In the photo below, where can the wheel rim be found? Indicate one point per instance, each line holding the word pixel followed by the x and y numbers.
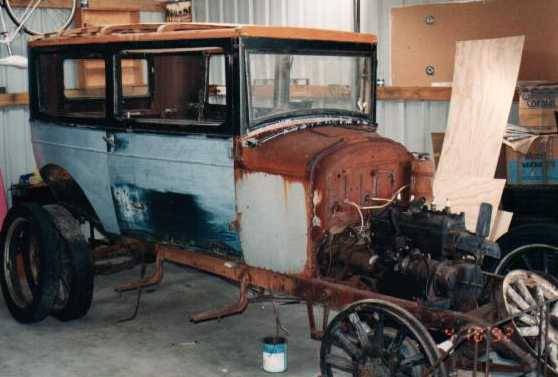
pixel 21 263
pixel 48 19
pixel 522 289
pixel 532 257
pixel 392 349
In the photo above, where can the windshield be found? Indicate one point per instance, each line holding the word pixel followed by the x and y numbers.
pixel 290 84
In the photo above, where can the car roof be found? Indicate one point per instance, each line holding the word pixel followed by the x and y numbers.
pixel 189 31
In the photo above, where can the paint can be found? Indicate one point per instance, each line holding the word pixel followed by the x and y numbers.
pixel 274 354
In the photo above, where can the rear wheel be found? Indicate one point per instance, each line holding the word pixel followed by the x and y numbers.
pixel 52 18
pixel 77 275
pixel 29 262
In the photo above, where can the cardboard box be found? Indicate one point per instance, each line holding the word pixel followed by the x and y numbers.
pixel 538 166
pixel 538 103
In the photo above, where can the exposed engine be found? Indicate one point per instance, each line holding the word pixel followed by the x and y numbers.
pixel 413 251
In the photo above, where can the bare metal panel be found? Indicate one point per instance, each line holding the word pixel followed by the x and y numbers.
pixel 273 221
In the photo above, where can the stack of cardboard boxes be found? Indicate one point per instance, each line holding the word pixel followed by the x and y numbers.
pixel 536 163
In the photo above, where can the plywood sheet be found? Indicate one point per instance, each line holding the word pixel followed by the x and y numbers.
pixel 483 87
pixel 465 194
pixel 502 223
pixel 415 44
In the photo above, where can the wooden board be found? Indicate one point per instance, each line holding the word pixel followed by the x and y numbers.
pixel 483 88
pixel 437 143
pixel 415 45
pixel 465 194
pixel 14 99
pixel 100 17
pixel 501 225
pixel 413 93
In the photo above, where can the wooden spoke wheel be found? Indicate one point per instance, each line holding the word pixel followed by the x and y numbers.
pixel 377 338
pixel 520 290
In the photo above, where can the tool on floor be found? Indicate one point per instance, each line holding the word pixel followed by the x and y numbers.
pixel 140 290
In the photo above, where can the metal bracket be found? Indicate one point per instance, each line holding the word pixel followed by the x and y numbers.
pixel 236 308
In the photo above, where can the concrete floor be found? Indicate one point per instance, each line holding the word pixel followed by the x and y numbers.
pixel 161 341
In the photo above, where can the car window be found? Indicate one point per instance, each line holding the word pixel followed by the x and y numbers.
pixel 71 87
pixel 135 78
pixel 173 87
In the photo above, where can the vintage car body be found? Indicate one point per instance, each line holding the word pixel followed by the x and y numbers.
pixel 197 187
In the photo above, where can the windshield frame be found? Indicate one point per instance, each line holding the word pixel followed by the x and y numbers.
pixel 304 47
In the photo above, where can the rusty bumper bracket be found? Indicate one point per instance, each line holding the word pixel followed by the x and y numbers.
pixel 154 279
pixel 236 308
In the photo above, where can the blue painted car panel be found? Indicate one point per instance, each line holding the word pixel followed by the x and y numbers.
pixel 175 188
pixel 82 152
pixel 172 188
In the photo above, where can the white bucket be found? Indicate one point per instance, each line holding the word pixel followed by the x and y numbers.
pixel 274 354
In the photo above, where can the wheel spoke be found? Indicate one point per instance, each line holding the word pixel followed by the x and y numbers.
pixel 413 361
pixel 341 363
pixel 343 342
pixel 397 341
pixel 361 328
pixel 526 262
pixel 520 284
pixel 545 261
pixel 379 332
pixel 516 298
pixel 525 318
pixel 530 331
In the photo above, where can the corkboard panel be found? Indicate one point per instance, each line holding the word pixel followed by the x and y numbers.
pixel 415 45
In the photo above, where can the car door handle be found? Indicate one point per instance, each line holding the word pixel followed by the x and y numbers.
pixel 111 142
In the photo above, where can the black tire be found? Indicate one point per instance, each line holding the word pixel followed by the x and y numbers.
pixel 77 276
pixel 523 248
pixel 32 302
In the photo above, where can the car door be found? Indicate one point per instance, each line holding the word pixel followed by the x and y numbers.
pixel 170 180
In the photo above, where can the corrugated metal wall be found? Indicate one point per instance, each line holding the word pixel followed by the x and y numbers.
pixel 16 154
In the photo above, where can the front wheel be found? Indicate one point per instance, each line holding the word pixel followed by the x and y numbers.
pixel 377 338
pixel 41 17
